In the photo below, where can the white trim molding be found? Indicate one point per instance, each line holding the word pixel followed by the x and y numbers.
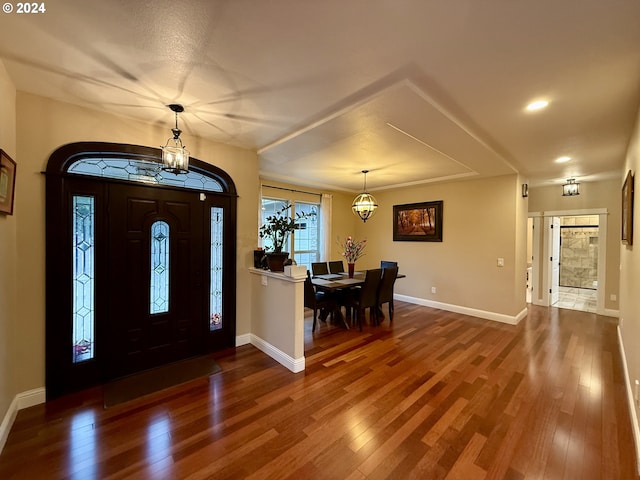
pixel 243 339
pixel 496 317
pixel 296 365
pixel 608 312
pixel 542 269
pixel 22 400
pixel 630 403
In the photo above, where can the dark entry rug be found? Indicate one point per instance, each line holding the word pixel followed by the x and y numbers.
pixel 152 381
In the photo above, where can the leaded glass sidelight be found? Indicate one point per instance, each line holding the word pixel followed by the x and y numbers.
pixel 159 299
pixel 83 218
pixel 215 313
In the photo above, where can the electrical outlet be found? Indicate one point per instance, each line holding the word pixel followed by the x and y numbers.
pixel 433 289
pixel 613 297
pixel 500 262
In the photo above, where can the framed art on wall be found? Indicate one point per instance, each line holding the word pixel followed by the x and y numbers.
pixel 418 222
pixel 7 183
pixel 627 210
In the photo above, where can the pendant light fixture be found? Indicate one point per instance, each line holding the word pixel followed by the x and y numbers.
pixel 570 188
pixel 175 158
pixel 364 205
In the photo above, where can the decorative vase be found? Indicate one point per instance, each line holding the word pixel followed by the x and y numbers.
pixel 352 267
pixel 275 261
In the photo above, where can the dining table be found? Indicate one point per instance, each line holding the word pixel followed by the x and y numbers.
pixel 335 282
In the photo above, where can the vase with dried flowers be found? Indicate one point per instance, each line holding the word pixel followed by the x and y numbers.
pixel 352 250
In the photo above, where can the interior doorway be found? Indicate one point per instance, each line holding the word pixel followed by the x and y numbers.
pixel 567 260
pixel 578 272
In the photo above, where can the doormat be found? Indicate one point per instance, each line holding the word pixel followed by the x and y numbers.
pixel 157 379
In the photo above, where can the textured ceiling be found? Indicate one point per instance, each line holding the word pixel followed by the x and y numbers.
pixel 414 91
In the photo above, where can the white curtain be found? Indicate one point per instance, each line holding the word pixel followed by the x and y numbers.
pixel 260 242
pixel 325 226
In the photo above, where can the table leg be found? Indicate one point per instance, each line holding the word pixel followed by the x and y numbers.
pixel 339 319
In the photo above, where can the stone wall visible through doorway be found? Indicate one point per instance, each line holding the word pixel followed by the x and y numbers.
pixel 579 251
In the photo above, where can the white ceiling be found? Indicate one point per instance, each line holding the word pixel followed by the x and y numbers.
pixel 415 91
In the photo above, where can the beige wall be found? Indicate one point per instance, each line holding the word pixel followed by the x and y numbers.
pixel 8 306
pixel 630 270
pixel 42 126
pixel 278 315
pixel 482 220
pixel 593 195
pixel 344 223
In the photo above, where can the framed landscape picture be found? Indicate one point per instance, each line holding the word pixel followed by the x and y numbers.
pixel 627 210
pixel 418 222
pixel 7 183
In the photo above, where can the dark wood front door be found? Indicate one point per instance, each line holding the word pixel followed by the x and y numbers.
pixel 100 218
pixel 139 336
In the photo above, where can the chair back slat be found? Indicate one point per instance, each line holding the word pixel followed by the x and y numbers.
pixel 319 268
pixel 309 292
pixel 385 291
pixel 369 290
pixel 336 266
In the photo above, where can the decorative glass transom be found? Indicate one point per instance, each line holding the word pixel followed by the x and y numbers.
pixel 83 221
pixel 159 302
pixel 215 313
pixel 143 171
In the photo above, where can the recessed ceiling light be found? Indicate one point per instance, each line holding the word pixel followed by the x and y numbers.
pixel 562 159
pixel 537 105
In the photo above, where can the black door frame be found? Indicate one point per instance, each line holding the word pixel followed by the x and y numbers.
pixel 61 374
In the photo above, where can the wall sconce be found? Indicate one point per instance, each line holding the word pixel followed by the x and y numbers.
pixel 525 190
pixel 570 188
pixel 175 158
pixel 364 205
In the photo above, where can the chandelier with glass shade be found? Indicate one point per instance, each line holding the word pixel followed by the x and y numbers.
pixel 364 205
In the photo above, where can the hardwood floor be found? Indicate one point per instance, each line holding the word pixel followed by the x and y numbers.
pixel 436 395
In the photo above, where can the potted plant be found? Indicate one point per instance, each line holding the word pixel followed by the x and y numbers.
pixel 277 228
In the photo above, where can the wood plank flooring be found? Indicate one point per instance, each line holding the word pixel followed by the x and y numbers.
pixel 435 395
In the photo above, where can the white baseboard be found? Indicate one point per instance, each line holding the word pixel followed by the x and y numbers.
pixel 497 317
pixel 294 364
pixel 243 339
pixel 22 400
pixel 7 422
pixel 632 408
pixel 607 312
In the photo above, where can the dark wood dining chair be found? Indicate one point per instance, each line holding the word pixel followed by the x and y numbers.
pixel 319 268
pixel 385 290
pixel 317 301
pixel 365 297
pixel 336 266
pixel 387 264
